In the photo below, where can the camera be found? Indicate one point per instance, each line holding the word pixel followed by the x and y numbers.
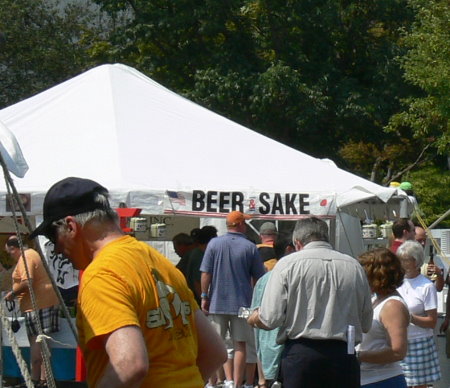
pixel 15 326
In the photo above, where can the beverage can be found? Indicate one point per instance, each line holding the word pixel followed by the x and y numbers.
pixel 244 312
pixel 350 339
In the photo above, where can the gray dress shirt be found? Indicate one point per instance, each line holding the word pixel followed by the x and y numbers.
pixel 317 293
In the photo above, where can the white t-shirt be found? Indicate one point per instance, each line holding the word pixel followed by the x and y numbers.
pixel 420 295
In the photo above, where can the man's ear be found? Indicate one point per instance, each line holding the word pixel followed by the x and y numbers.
pixel 71 225
pixel 298 245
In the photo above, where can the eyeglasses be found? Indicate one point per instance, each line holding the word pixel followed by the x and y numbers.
pixel 52 232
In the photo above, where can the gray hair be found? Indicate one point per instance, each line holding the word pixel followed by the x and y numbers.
pixel 104 214
pixel 412 249
pixel 310 229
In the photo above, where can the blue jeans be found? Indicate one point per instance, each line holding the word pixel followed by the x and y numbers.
pixel 393 382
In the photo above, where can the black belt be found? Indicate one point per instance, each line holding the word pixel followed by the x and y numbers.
pixel 317 342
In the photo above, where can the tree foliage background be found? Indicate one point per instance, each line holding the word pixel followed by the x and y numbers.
pixel 363 83
pixel 40 46
pixel 427 66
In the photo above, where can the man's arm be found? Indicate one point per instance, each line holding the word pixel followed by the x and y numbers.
pixel 253 320
pixel 211 349
pixel 17 288
pixel 257 269
pixel 22 286
pixel 205 283
pixel 128 359
pixel 433 269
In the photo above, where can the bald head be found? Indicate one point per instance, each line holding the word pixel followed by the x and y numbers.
pixel 12 247
pixel 421 236
pixel 12 241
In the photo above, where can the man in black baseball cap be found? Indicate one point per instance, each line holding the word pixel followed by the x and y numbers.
pixel 69 197
pixel 133 302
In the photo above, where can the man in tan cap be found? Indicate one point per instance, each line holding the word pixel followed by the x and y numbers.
pixel 229 265
pixel 268 234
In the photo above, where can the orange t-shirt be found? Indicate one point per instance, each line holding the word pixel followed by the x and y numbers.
pixel 44 293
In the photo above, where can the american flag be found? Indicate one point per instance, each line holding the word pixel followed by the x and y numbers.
pixel 176 197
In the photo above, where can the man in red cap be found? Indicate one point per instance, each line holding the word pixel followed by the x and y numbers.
pixel 229 265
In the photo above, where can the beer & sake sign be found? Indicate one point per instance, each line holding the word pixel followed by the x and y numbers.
pixel 263 204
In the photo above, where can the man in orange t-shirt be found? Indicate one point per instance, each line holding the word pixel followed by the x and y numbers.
pixel 137 320
pixel 47 303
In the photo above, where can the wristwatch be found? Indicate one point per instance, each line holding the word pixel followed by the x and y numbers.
pixel 204 295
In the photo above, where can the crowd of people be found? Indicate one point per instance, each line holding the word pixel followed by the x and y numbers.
pixel 288 311
pixel 302 336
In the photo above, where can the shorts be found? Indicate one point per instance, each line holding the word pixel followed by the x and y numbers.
pixel 48 317
pixel 250 355
pixel 421 364
pixel 240 330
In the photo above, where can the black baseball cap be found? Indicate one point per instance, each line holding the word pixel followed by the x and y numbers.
pixel 69 197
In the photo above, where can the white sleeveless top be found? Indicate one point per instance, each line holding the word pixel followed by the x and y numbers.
pixel 377 338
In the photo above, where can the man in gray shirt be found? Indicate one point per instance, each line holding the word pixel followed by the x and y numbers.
pixel 314 296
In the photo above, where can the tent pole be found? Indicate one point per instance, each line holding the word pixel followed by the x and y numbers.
pixel 446 214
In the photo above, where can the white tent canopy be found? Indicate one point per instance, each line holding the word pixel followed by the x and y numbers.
pixel 163 153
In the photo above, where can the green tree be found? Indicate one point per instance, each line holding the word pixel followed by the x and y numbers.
pixel 393 160
pixel 317 75
pixel 41 44
pixel 173 39
pixel 343 55
pixel 326 74
pixel 426 115
pixel 427 66
pixel 431 185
